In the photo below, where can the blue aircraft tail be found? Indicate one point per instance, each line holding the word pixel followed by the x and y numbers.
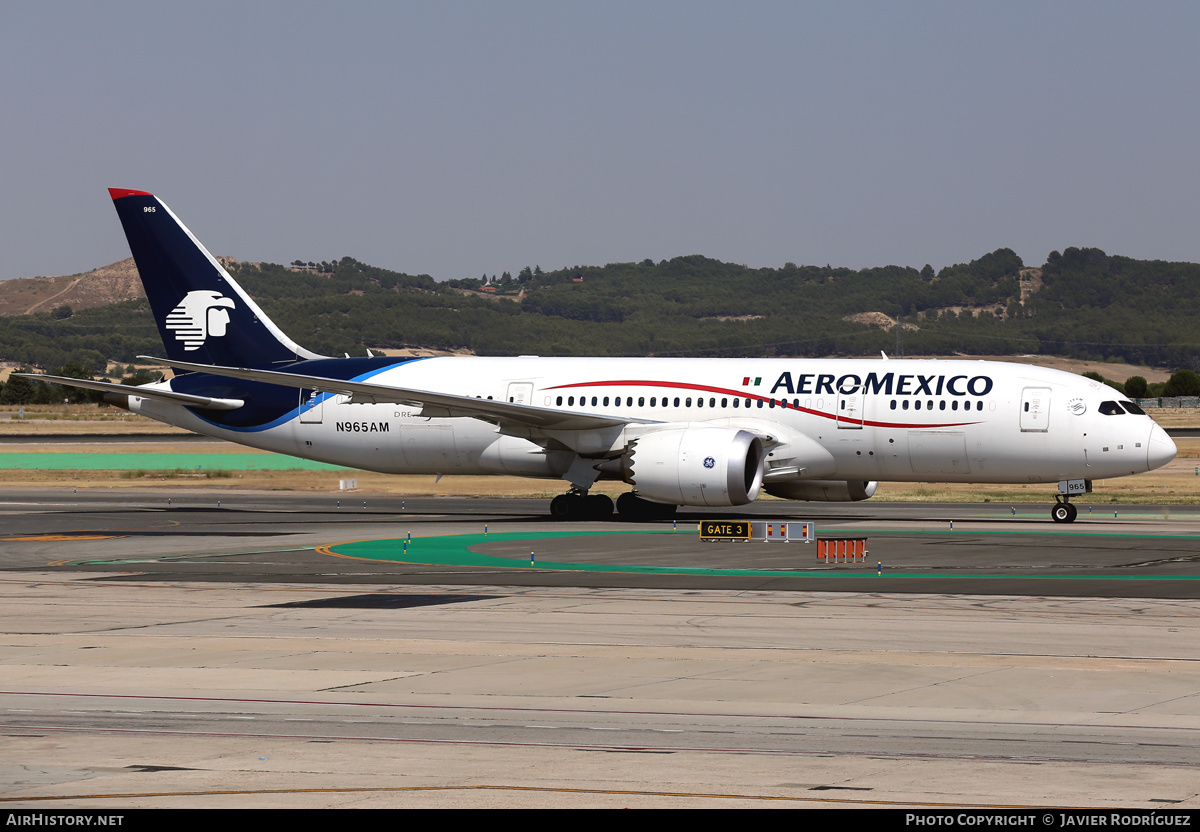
pixel 202 314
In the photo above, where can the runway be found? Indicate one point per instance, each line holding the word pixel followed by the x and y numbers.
pixel 190 654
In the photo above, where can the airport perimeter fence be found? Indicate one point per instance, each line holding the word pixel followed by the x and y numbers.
pixel 1170 401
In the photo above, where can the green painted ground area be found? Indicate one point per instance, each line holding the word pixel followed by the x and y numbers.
pixel 455 550
pixel 159 462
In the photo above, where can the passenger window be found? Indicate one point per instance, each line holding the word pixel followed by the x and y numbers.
pixel 558 401
pixel 893 404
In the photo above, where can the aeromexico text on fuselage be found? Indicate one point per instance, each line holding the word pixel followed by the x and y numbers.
pixel 889 384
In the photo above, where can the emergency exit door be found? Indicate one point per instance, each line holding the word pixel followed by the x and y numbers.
pixel 520 392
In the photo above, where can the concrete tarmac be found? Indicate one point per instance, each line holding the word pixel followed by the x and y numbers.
pixel 190 655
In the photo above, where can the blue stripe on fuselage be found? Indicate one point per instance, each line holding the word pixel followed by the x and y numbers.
pixel 271 405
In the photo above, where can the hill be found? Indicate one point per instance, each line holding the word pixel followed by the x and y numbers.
pixel 1082 304
pixel 99 287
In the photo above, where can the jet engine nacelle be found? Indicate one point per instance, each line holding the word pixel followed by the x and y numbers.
pixel 696 466
pixel 823 491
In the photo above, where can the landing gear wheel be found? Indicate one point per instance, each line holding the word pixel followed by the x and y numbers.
pixel 598 506
pixel 1064 513
pixel 566 507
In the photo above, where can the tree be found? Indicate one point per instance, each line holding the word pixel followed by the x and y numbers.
pixel 1135 387
pixel 18 390
pixel 1183 383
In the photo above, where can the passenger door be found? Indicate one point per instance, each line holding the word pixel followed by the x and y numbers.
pixel 1035 409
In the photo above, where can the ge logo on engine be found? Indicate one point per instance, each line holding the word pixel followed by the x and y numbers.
pixel 709 462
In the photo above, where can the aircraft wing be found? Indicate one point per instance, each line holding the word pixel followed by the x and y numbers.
pixel 432 404
pixel 187 399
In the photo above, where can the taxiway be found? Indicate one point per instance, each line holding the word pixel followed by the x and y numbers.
pixel 189 654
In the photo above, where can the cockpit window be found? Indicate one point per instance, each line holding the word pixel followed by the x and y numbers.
pixel 1111 409
pixel 1133 408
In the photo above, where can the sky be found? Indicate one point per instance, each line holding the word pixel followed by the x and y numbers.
pixel 460 138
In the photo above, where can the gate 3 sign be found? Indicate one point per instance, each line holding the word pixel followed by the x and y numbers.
pixel 725 530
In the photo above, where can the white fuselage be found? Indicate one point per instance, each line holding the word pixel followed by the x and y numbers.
pixel 830 419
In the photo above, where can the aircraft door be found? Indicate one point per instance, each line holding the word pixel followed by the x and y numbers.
pixel 520 392
pixel 850 410
pixel 311 406
pixel 1035 409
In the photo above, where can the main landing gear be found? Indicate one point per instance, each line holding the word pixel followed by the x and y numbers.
pixel 577 504
pixel 1063 511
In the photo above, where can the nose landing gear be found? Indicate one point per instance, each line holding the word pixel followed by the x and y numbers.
pixel 1063 511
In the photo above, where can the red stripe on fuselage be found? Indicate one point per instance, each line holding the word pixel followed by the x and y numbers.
pixel 740 394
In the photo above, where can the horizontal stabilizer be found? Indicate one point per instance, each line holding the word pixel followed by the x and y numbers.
pixel 200 402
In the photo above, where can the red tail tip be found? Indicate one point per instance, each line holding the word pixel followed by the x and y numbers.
pixel 117 193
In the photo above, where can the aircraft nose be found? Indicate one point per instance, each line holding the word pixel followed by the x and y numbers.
pixel 1159 449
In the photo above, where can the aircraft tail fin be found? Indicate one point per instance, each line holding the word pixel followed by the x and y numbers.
pixel 203 315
